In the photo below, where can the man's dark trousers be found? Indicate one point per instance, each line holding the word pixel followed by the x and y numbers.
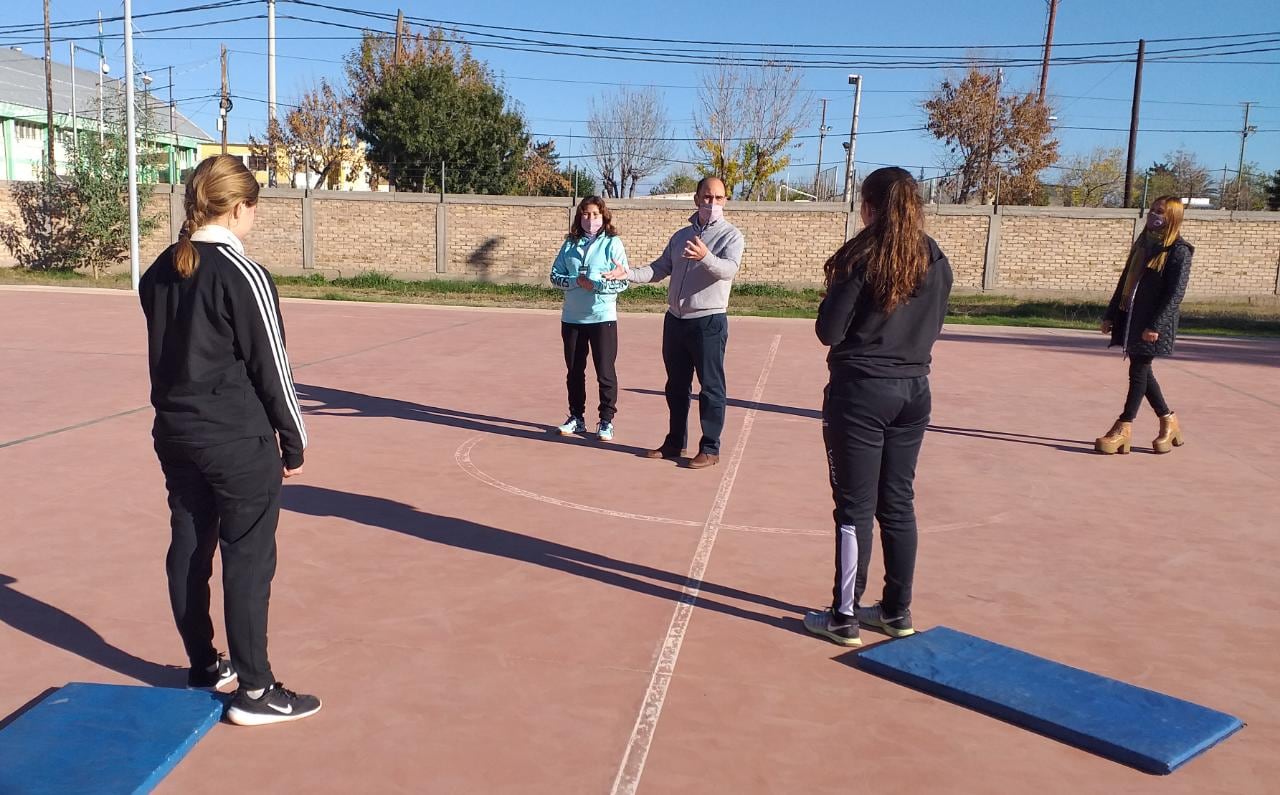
pixel 692 346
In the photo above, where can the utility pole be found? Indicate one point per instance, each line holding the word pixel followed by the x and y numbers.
pixel 130 143
pixel 224 104
pixel 991 136
pixel 1048 45
pixel 851 144
pixel 173 131
pixel 102 75
pixel 399 33
pixel 822 135
pixel 48 86
pixel 1133 124
pixel 271 92
pixel 75 133
pixel 1245 132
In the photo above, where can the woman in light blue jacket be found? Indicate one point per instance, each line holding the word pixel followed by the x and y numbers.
pixel 589 320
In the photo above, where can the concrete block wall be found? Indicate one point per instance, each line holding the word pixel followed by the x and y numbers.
pixel 510 238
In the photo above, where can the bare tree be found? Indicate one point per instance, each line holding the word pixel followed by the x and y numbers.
pixel 717 121
pixel 630 138
pixel 746 120
pixel 991 139
pixel 318 137
pixel 1095 179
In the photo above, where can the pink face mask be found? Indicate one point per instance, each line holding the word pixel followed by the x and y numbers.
pixel 707 215
pixel 592 224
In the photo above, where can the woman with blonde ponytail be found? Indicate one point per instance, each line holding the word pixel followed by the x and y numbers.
pixel 1142 318
pixel 886 298
pixel 228 428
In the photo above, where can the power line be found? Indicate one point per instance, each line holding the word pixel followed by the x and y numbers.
pixel 774 45
pixel 75 23
pixel 679 57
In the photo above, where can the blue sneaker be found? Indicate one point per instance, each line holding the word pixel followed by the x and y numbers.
pixel 572 426
pixel 605 432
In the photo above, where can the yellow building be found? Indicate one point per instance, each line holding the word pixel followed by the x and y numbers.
pixel 258 165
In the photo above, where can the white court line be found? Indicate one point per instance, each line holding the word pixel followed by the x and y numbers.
pixel 632 766
pixel 462 456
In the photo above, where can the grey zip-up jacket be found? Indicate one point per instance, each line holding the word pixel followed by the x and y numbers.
pixel 698 287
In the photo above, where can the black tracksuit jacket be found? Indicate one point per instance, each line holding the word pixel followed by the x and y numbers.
pixel 867 343
pixel 216 346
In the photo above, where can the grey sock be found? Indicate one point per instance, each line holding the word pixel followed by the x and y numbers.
pixel 255 694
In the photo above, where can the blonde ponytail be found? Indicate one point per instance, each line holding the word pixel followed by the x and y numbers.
pixel 218 185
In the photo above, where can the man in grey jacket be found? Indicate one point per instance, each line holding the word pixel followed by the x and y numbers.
pixel 701 260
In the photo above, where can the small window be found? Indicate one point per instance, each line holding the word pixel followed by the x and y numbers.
pixel 257 162
pixel 26 131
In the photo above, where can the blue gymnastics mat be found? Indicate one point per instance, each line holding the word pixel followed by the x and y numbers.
pixel 107 739
pixel 1138 727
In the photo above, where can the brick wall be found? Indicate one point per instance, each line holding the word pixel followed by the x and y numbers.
pixel 276 240
pixel 787 247
pixel 500 242
pixel 399 238
pixel 646 231
pixel 1049 252
pixel 151 245
pixel 963 238
pixel 8 215
pixel 1236 258
pixel 1066 250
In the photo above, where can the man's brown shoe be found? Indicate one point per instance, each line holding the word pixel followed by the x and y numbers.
pixel 704 460
pixel 663 452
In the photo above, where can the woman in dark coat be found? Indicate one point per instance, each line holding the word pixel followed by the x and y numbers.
pixel 1143 318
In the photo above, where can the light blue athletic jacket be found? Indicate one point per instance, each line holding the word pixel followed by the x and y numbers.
pixel 597 305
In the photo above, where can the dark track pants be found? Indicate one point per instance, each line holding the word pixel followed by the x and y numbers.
pixel 873 429
pixel 229 496
pixel 601 341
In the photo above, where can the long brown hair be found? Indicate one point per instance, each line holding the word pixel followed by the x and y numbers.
pixel 217 186
pixel 1173 212
pixel 891 249
pixel 576 232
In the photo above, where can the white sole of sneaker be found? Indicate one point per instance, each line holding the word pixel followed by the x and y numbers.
pixel 888 630
pixel 823 632
pixel 243 718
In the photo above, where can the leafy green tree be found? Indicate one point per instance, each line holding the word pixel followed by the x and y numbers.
pixel 422 115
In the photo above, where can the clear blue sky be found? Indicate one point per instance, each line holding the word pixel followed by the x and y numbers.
pixel 1177 96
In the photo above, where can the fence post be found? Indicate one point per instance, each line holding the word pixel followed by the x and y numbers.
pixel 308 230
pixel 442 236
pixel 177 213
pixel 991 260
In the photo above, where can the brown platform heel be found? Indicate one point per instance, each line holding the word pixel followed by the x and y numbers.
pixel 1117 440
pixel 1170 434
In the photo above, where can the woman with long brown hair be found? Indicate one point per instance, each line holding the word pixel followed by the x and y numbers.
pixel 886 298
pixel 1143 318
pixel 223 392
pixel 589 319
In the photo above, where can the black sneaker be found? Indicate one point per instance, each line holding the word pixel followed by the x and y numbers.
pixel 216 676
pixel 276 705
pixel 833 626
pixel 896 627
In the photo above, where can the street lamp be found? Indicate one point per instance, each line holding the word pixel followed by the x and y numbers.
pixel 851 144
